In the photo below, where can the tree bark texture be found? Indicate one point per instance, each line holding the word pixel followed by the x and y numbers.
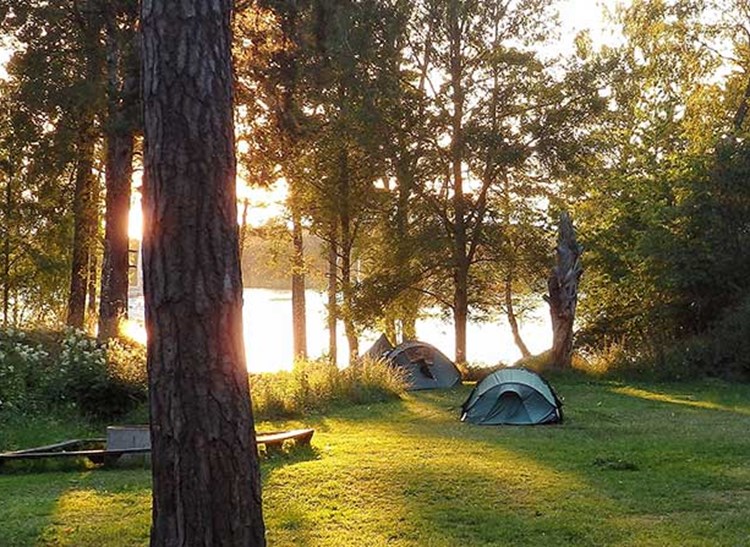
pixel 346 244
pixel 206 484
pixel 84 223
pixel 123 79
pixel 563 292
pixel 299 319
pixel 86 193
pixel 8 218
pixel 333 313
pixel 460 237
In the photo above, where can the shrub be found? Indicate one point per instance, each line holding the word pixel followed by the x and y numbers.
pixel 101 381
pixel 41 371
pixel 315 386
pixel 683 360
pixel 22 362
pixel 471 372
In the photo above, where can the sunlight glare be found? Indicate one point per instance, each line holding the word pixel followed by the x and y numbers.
pixel 133 331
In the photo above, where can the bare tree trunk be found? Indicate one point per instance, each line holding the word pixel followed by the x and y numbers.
pixel 333 313
pixel 349 326
pixel 123 78
pixel 85 206
pixel 563 292
pixel 345 250
pixel 512 321
pixel 299 319
pixel 460 240
pixel 84 226
pixel 6 244
pixel 206 481
pixel 91 291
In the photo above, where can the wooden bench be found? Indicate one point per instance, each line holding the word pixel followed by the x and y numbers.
pixel 274 440
pixel 95 449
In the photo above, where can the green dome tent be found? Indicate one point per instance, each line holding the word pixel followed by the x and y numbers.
pixel 512 396
pixel 425 366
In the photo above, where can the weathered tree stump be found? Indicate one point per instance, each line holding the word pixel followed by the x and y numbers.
pixel 563 292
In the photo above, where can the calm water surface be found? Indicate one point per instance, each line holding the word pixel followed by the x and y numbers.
pixel 267 316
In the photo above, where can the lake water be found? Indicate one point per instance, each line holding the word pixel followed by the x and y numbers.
pixel 267 316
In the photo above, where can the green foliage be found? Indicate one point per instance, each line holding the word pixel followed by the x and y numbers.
pixel 664 203
pixel 100 381
pixel 316 386
pixel 41 371
pixel 22 362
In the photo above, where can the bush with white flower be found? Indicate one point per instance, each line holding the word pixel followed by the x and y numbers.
pixel 21 364
pixel 47 370
pixel 99 380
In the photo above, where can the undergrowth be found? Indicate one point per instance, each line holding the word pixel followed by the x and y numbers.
pixel 316 386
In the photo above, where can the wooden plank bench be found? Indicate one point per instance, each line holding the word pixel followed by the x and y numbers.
pixel 274 440
pixel 93 449
pixel 96 452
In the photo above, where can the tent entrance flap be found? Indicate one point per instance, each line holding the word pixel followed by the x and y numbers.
pixel 425 366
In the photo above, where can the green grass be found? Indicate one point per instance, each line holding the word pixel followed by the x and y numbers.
pixel 637 465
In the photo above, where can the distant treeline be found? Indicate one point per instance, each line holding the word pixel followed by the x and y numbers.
pixel 266 265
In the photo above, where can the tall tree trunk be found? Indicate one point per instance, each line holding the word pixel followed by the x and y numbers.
pixel 85 206
pixel 8 216
pixel 563 292
pixel 346 290
pixel 299 319
pixel 345 248
pixel 84 224
pixel 91 291
pixel 206 482
pixel 333 313
pixel 512 321
pixel 123 78
pixel 460 240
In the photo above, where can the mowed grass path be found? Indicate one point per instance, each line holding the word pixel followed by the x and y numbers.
pixel 632 465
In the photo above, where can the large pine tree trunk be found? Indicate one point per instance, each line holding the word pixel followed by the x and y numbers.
pixel 563 292
pixel 123 78
pixel 206 484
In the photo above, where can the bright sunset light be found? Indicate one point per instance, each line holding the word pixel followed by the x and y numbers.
pixel 490 286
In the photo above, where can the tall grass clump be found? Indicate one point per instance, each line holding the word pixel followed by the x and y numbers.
pixel 316 386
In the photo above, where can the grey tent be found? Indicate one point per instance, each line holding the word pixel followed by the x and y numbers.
pixel 512 396
pixel 425 366
pixel 381 346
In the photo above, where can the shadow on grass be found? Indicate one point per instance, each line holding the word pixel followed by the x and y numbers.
pixel 75 503
pixel 675 398
pixel 619 473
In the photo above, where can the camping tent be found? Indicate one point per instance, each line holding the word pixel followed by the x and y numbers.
pixel 513 396
pixel 425 366
pixel 381 346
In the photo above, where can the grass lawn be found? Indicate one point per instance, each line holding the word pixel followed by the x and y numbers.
pixel 632 465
